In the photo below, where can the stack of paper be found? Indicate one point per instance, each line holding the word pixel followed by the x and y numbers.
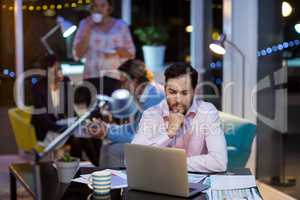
pixel 234 187
pixel 230 182
pixel 196 178
pixel 119 178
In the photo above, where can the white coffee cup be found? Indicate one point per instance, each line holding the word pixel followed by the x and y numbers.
pixel 97 17
pixel 100 182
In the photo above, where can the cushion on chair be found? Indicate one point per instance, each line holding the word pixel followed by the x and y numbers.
pixel 23 130
pixel 239 134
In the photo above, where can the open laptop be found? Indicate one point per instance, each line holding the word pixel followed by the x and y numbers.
pixel 159 170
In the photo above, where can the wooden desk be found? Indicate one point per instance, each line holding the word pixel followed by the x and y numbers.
pixel 52 189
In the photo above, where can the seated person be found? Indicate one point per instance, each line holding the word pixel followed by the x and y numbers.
pixel 185 121
pixel 139 80
pixel 50 103
pixel 91 146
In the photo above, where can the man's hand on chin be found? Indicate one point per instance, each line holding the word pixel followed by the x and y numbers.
pixel 175 122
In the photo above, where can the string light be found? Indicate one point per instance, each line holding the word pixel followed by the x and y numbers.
pixel 278 47
pixel 59 7
pixel 218 64
pixel 12 74
pixel 34 80
pixel 6 72
pixel 31 8
pixel 215 65
pixel 218 81
pixel 215 36
pixel 212 65
pixel 45 7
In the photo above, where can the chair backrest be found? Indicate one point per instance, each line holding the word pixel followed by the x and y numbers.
pixel 239 134
pixel 23 131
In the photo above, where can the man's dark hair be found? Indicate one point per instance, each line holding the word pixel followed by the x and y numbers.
pixel 178 69
pixel 82 95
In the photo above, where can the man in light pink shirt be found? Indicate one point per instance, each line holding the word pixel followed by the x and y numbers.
pixel 184 121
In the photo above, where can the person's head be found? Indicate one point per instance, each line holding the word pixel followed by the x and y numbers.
pixel 104 7
pixel 180 84
pixel 82 99
pixel 135 74
pixel 50 63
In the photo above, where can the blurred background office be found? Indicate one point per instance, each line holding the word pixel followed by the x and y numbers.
pixel 257 78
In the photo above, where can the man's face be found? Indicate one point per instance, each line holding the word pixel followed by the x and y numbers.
pixel 179 93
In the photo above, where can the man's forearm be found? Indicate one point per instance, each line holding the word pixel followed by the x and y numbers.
pixel 207 163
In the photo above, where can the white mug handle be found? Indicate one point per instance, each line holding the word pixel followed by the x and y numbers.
pixel 90 182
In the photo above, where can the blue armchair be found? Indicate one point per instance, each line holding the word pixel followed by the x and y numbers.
pixel 239 134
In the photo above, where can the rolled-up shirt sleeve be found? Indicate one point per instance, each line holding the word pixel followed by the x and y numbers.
pixel 216 158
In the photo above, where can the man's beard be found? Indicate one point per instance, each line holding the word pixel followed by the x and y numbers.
pixel 178 108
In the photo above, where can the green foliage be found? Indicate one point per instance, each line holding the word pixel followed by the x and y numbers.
pixel 67 158
pixel 152 35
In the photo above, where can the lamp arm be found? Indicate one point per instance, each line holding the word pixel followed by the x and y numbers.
pixel 68 132
pixel 46 36
pixel 237 49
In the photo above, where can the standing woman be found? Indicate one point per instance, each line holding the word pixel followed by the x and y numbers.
pixel 105 43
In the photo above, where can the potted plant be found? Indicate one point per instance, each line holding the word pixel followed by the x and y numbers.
pixel 153 39
pixel 66 168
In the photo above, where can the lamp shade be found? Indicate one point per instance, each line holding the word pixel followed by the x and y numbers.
pixel 297 27
pixel 217 46
pixel 122 103
pixel 67 28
